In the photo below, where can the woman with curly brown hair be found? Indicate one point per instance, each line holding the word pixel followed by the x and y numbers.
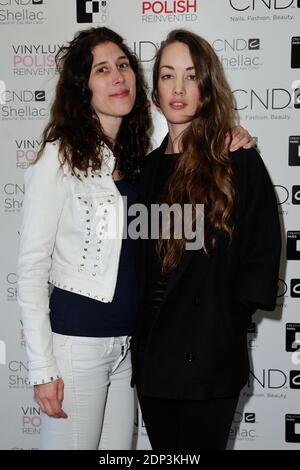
pixel 92 149
pixel 190 349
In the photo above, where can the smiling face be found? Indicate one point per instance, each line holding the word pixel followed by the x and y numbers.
pixel 178 88
pixel 112 83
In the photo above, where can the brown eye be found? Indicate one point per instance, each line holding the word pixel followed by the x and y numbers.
pixel 124 65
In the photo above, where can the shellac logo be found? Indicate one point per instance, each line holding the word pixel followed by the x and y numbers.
pixel 237 53
pixel 18 377
pixel 23 104
pixel 92 11
pixel 21 12
pixel 14 194
pixel 25 151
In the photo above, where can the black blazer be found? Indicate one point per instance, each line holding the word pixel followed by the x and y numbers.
pixel 197 345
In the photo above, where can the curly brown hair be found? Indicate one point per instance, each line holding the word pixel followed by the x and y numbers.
pixel 204 172
pixel 73 120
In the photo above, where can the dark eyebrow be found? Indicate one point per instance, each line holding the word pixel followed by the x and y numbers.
pixel 105 61
pixel 172 68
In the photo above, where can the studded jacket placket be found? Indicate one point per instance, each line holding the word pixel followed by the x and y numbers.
pixel 71 237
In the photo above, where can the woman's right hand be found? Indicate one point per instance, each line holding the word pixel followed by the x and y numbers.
pixel 50 397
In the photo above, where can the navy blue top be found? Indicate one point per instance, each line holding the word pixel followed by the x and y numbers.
pixel 76 315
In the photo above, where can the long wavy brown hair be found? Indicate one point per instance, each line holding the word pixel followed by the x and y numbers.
pixel 73 120
pixel 204 172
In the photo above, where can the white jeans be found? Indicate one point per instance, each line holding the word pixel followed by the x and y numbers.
pixel 98 398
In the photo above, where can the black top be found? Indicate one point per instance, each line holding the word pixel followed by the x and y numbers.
pixel 76 315
pixel 157 281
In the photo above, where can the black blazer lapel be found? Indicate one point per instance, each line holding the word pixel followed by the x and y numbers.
pixel 146 197
pixel 146 189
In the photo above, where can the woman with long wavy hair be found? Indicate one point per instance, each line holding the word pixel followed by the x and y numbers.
pixel 190 348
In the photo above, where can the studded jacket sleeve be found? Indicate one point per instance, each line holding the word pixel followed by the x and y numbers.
pixel 45 194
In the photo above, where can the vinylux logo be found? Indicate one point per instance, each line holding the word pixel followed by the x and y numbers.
pixel 26 152
pixel 34 59
pixel 263 5
pixel 169 10
pixel 31 419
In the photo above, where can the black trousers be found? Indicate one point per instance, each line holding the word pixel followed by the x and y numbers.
pixel 175 425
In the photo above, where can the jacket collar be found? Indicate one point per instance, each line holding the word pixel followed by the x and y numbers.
pixel 109 159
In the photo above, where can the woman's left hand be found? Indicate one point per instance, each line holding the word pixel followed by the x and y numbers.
pixel 240 138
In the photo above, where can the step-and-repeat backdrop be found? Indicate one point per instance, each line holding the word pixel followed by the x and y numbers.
pixel 258 42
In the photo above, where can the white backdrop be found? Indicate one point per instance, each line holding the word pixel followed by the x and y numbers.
pixel 258 42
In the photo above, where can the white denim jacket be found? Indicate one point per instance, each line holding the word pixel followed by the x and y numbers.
pixel 71 237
